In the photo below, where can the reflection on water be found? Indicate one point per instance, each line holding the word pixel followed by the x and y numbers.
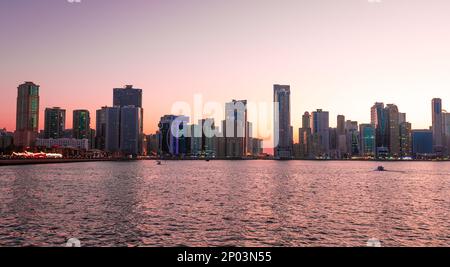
pixel 225 203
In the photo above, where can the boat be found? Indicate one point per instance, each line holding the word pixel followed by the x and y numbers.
pixel 380 169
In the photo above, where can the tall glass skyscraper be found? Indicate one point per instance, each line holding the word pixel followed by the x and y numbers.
pixel 282 121
pixel 437 121
pixel 320 123
pixel 55 123
pixel 237 129
pixel 379 121
pixel 130 129
pixel 127 97
pixel 27 117
pixel 81 124
pixel 367 136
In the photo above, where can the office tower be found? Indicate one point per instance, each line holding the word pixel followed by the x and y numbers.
pixel 282 123
pixel 437 121
pixel 334 152
pixel 129 96
pixel 352 137
pixel 130 130
pixel 393 130
pixel 340 124
pixel 367 140
pixel 446 130
pixel 100 128
pixel 237 132
pixel 320 122
pixel 27 116
pixel 81 124
pixel 112 129
pixel 405 139
pixel 207 132
pixel 173 131
pixel 401 117
pixel 379 121
pixel 304 136
pixel 422 143
pixel 55 123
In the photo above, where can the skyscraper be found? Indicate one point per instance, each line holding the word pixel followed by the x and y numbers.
pixel 379 121
pixel 437 121
pixel 112 129
pixel 55 123
pixel 304 136
pixel 100 128
pixel 282 123
pixel 446 130
pixel 172 139
pixel 320 122
pixel 237 129
pixel 81 124
pixel 130 129
pixel 27 116
pixel 405 139
pixel 127 97
pixel 367 137
pixel 393 130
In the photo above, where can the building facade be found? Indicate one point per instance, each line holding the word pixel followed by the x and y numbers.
pixel 81 124
pixel 27 115
pixel 282 124
pixel 55 123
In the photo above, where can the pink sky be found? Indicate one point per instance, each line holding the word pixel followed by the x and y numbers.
pixel 341 56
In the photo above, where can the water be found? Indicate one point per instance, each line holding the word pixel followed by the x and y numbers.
pixel 225 203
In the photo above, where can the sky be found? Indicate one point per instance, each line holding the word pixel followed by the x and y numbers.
pixel 340 56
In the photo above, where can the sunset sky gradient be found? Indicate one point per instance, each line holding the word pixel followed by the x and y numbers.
pixel 341 56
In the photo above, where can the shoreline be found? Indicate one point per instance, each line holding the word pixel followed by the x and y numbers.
pixel 18 162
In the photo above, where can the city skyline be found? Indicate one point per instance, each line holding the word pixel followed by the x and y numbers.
pixel 224 60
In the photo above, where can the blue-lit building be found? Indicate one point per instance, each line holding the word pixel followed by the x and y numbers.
pixel 367 140
pixel 422 142
pixel 173 131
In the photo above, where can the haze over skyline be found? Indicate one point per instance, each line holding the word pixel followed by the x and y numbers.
pixel 340 56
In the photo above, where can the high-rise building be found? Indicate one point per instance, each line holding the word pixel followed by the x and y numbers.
pixel 393 130
pixel 422 143
pixel 100 128
pixel 446 129
pixel 129 96
pixel 367 137
pixel 282 124
pixel 304 137
pixel 437 121
pixel 237 129
pixel 320 121
pixel 112 129
pixel 173 131
pixel 405 139
pixel 81 124
pixel 130 130
pixel 352 137
pixel 55 123
pixel 27 117
pixel 340 124
pixel 379 121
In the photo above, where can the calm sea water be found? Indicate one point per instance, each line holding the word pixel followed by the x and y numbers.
pixel 225 203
